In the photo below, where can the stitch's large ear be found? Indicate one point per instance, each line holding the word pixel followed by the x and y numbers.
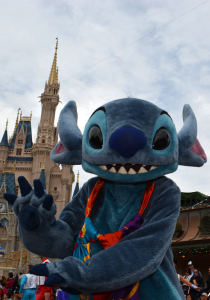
pixel 190 151
pixel 69 150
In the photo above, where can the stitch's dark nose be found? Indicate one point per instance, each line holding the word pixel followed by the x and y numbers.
pixel 127 141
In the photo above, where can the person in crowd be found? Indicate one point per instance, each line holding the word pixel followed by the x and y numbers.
pixel 208 281
pixel 191 266
pixel 43 292
pixel 28 285
pixel 16 297
pixel 10 283
pixel 3 282
pixel 185 281
pixel 204 296
pixel 3 290
pixel 192 285
pixel 197 280
pixel 4 279
pixel 188 274
pixel 189 297
pixel 20 276
pixel 16 285
pixel 7 296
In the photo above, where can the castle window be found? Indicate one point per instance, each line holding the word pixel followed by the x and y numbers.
pixel 205 225
pixel 55 188
pixel 43 141
pixel 20 142
pixel 18 151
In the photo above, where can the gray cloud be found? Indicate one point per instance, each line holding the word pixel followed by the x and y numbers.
pixel 169 67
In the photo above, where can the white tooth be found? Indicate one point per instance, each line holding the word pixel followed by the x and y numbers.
pixel 122 170
pixel 153 167
pixel 131 171
pixel 114 164
pixel 142 170
pixel 103 167
pixel 112 170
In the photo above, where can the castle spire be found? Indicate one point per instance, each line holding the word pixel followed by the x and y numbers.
pixel 53 78
pixel 16 124
pixel 4 141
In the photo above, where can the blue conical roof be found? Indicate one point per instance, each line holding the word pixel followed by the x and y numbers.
pixel 76 190
pixel 42 178
pixel 27 128
pixel 4 141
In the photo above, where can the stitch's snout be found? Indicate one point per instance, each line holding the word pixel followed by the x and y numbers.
pixel 127 141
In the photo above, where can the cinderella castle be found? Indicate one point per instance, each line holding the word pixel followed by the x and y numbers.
pixel 20 156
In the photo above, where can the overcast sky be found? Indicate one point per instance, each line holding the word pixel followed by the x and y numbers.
pixel 167 65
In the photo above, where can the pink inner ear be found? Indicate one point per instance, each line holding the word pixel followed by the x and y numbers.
pixel 198 150
pixel 60 149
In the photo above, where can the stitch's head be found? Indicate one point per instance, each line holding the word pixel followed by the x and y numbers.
pixel 128 140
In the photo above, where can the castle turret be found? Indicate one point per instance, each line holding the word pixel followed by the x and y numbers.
pixel 58 181
pixel 47 136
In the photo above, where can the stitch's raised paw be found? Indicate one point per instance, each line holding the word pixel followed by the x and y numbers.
pixel 32 205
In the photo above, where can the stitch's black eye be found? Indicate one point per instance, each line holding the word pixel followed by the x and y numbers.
pixel 161 140
pixel 96 137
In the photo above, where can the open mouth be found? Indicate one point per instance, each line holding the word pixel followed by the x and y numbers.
pixel 127 168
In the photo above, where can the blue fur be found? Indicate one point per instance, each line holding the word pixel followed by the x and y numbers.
pixel 29 218
pixel 158 286
pixel 145 255
pixel 99 119
pixel 67 124
pixel 67 127
pixel 166 122
pixel 187 137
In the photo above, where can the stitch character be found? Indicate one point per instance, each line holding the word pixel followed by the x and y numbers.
pixel 114 237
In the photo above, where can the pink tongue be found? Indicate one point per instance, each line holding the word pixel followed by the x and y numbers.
pixel 198 150
pixel 60 149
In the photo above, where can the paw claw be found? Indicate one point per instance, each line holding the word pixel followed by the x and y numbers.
pixel 38 188
pixel 10 198
pixel 48 202
pixel 25 187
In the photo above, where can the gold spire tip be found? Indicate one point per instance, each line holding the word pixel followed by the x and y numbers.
pixel 6 125
pixel 53 78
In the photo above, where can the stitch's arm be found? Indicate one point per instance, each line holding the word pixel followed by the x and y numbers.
pixel 37 224
pixel 132 259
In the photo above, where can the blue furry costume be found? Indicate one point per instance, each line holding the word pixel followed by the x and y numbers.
pixel 126 142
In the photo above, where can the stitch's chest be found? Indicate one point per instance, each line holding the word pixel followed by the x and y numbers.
pixel 121 203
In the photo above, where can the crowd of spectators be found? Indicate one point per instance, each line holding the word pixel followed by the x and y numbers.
pixel 195 288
